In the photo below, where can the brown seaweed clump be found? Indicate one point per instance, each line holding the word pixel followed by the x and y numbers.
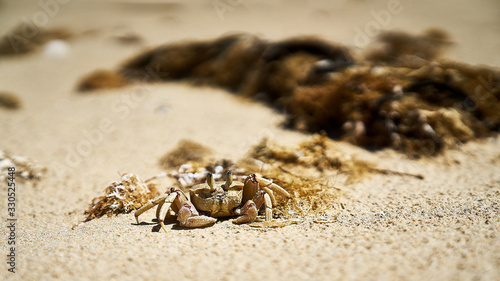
pixel 25 169
pixel 122 197
pixel 9 101
pixel 420 111
pixel 398 93
pixel 26 38
pixel 240 63
pixel 102 79
pixel 308 171
pixel 392 47
pixel 185 152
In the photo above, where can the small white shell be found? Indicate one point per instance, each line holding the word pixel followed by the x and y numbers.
pixel 56 49
pixel 218 169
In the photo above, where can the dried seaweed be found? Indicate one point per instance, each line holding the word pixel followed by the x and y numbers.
pixel 420 111
pixel 185 151
pixel 127 38
pixel 225 60
pixel 308 171
pixel 9 101
pixel 102 79
pixel 26 169
pixel 121 197
pixel 398 94
pixel 392 47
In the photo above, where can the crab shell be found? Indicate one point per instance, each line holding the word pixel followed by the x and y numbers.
pixel 219 203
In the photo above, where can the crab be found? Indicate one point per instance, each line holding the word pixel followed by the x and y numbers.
pixel 211 200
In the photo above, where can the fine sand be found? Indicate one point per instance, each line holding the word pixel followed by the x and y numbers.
pixel 444 227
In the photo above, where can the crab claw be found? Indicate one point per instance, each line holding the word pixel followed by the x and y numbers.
pixel 251 186
pixel 248 213
pixel 189 217
pixel 254 183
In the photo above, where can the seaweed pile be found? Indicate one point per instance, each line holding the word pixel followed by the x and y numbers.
pixel 185 151
pixel 26 169
pixel 398 93
pixel 9 101
pixel 121 197
pixel 308 171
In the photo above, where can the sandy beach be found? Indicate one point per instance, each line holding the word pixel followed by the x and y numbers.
pixel 445 226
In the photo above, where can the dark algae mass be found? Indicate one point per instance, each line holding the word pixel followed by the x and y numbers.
pixel 398 92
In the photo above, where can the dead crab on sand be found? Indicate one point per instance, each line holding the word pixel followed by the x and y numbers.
pixel 217 199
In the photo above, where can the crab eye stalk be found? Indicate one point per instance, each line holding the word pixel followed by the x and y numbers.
pixel 210 180
pixel 229 180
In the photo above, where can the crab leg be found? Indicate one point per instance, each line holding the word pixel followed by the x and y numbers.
pixel 160 205
pixel 270 193
pixel 264 198
pixel 269 207
pixel 151 203
pixel 165 207
pixel 273 186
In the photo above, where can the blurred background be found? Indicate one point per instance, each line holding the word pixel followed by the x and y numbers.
pixel 102 34
pixel 474 26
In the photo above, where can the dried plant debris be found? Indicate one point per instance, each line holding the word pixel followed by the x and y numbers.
pixel 122 197
pixel 26 38
pixel 391 47
pixel 397 93
pixel 309 171
pixel 318 152
pixel 312 195
pixel 127 38
pixel 185 151
pixel 237 62
pixel 9 101
pixel 102 79
pixel 26 170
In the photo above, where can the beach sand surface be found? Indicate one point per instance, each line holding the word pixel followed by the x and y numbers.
pixel 444 227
